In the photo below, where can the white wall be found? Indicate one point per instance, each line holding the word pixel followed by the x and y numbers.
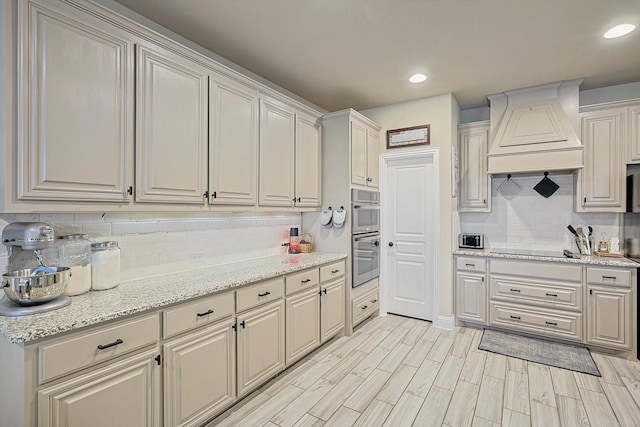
pixel 159 243
pixel 441 112
pixel 530 221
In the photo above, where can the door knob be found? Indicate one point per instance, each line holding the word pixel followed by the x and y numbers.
pixel 390 244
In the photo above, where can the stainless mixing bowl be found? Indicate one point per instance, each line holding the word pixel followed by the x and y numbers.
pixel 27 288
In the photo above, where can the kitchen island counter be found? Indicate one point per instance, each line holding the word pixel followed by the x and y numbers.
pixel 140 295
pixel 584 259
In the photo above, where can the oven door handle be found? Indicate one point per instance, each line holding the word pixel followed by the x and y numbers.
pixel 363 207
pixel 360 239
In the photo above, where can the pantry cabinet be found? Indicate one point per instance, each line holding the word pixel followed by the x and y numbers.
pixel 125 393
pixel 171 127
pixel 601 184
pixel 74 107
pixel 233 142
pixel 475 183
pixel 365 151
pixel 200 374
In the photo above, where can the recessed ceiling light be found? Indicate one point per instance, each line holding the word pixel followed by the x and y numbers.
pixel 417 78
pixel 619 31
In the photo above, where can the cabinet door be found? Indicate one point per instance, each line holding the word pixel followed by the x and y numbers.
pixel 233 155
pixel 634 137
pixel 75 108
pixel 200 375
pixel 358 154
pixel 277 130
pixel 603 176
pixel 331 309
pixel 308 155
pixel 609 317
pixel 373 154
pixel 471 297
pixel 171 128
pixel 474 183
pixel 126 393
pixel 260 345
pixel 303 324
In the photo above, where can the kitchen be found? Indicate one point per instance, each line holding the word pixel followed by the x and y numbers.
pixel 150 238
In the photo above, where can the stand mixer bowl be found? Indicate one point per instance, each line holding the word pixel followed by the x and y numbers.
pixel 27 287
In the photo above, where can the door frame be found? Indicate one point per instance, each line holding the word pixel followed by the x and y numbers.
pixel 384 225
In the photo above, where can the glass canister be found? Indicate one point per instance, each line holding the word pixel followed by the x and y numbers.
pixel 74 251
pixel 105 260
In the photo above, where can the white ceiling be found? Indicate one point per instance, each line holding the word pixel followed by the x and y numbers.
pixel 360 53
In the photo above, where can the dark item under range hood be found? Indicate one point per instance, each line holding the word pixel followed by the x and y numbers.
pixel 535 129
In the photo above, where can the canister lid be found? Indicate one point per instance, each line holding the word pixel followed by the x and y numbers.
pixel 101 246
pixel 74 237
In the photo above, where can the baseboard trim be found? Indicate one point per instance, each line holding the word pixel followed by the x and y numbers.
pixel 445 322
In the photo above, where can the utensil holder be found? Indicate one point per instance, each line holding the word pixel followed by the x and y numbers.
pixel 307 246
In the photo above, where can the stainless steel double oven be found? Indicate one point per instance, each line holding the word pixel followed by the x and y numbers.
pixel 365 231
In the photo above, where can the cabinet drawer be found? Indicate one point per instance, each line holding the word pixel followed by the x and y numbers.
pixel 559 296
pixel 471 264
pixel 364 306
pixel 88 348
pixel 303 280
pixel 537 269
pixel 564 325
pixel 197 313
pixel 332 271
pixel 609 277
pixel 260 293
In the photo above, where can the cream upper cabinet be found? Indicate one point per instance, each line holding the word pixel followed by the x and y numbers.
pixel 634 134
pixel 277 143
pixel 303 324
pixel 200 374
pixel 124 393
pixel 308 152
pixel 261 345
pixel 475 183
pixel 171 127
pixel 233 145
pixel 75 107
pixel 365 150
pixel 601 184
pixel 332 297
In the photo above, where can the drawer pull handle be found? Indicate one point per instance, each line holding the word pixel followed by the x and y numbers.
pixel 374 301
pixel 470 265
pixel 551 323
pixel 515 317
pixel 609 277
pixel 364 307
pixel 305 281
pixel 113 344
pixel 335 271
pixel 206 313
pixel 552 295
pixel 515 290
pixel 264 294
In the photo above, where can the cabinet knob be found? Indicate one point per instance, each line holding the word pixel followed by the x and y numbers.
pixel 390 244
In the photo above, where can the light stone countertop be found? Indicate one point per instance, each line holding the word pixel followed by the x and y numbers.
pixel 584 259
pixel 140 295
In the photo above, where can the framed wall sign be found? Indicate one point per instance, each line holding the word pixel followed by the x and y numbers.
pixel 416 135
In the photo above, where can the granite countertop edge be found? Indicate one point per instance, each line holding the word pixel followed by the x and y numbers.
pixel 150 293
pixel 592 259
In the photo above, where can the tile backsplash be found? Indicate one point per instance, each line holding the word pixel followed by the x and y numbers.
pixel 159 243
pixel 530 221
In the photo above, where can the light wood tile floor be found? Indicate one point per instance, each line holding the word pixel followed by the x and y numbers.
pixel 395 371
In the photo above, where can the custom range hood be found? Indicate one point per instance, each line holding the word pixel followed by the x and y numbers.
pixel 536 129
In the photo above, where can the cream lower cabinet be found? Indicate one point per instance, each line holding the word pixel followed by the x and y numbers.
pixel 200 374
pixel 125 393
pixel 609 317
pixel 261 348
pixel 332 296
pixel 471 297
pixel 303 324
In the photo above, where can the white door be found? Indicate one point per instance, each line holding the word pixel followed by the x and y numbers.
pixel 409 233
